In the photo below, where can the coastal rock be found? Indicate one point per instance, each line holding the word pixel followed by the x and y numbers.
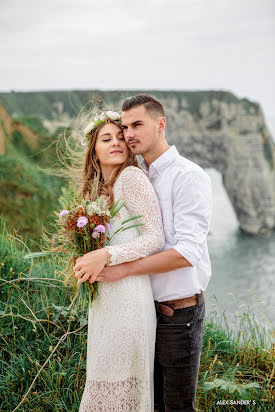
pixel 233 139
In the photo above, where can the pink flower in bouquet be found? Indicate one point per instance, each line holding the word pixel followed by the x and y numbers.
pixel 82 221
pixel 95 235
pixel 107 226
pixel 64 212
pixel 100 229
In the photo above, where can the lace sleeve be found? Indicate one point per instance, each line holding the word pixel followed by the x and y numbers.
pixel 141 199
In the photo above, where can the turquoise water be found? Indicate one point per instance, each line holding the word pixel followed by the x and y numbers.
pixel 243 267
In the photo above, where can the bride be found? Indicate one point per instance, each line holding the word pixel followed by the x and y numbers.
pixel 122 319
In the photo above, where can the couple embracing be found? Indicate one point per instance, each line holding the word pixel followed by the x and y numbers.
pixel 145 327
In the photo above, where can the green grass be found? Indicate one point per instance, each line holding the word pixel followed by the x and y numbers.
pixel 37 328
pixel 44 339
pixel 236 366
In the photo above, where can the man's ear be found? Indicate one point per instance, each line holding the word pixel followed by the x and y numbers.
pixel 162 124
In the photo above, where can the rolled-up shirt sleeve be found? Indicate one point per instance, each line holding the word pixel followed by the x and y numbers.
pixel 192 211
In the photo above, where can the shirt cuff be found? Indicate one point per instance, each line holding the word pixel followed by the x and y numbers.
pixel 187 251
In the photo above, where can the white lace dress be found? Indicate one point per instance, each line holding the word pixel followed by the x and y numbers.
pixel 122 319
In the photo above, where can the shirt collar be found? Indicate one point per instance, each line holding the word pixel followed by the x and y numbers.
pixel 164 160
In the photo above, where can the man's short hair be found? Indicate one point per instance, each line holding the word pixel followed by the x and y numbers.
pixel 152 105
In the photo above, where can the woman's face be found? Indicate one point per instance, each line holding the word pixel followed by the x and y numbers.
pixel 110 147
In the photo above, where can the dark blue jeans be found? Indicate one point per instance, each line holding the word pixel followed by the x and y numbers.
pixel 177 358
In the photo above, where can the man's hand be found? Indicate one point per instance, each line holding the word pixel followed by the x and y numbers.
pixel 90 265
pixel 161 262
pixel 111 274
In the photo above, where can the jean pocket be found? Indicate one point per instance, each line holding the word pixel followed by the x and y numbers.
pixel 182 317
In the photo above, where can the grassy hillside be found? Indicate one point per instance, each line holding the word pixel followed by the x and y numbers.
pixel 27 194
pixel 44 340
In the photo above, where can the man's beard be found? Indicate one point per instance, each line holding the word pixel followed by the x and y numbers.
pixel 134 149
pixel 137 151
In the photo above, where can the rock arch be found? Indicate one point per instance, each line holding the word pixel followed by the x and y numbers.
pixel 233 139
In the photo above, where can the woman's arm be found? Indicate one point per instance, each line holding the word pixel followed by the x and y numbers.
pixel 140 199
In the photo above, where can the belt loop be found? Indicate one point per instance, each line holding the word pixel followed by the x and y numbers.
pixel 197 299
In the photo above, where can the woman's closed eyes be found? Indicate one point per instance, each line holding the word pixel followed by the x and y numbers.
pixel 108 139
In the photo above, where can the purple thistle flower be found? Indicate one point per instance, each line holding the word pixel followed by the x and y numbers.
pixel 100 228
pixel 64 212
pixel 95 235
pixel 81 221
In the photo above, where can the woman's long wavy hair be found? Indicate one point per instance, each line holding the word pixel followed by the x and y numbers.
pixel 82 168
pixel 80 162
pixel 93 182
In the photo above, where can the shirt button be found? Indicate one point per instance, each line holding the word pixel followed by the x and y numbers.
pixel 187 324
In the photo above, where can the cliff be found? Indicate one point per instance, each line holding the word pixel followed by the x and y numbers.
pixel 232 138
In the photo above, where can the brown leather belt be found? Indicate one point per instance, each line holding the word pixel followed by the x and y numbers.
pixel 167 308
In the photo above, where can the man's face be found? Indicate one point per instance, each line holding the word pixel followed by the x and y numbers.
pixel 140 129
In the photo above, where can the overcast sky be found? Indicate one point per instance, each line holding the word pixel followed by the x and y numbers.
pixel 140 44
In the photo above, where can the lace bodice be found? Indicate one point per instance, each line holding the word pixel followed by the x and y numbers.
pixel 133 187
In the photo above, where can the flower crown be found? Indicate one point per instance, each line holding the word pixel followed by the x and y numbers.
pixel 97 120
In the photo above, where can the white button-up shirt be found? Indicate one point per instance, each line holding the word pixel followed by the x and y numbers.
pixel 184 192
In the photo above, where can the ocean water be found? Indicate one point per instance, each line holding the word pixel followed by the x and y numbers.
pixel 243 266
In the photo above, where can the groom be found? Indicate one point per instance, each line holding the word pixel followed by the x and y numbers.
pixel 181 272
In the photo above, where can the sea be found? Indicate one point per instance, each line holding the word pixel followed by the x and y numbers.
pixel 243 266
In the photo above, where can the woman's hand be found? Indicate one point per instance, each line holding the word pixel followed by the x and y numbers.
pixel 90 265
